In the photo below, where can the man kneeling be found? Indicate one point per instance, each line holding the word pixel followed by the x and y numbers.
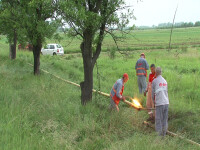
pixel 117 91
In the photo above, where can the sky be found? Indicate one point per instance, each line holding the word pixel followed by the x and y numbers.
pixel 153 12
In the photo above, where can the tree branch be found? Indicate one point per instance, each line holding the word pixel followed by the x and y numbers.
pixel 98 6
pixel 115 40
pixel 98 48
pixel 74 28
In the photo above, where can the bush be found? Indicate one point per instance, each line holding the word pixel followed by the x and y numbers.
pixel 112 52
pixel 184 49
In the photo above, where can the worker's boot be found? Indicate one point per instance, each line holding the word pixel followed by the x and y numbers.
pixel 150 117
pixel 153 119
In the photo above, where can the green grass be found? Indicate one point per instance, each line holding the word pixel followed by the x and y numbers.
pixel 141 40
pixel 42 112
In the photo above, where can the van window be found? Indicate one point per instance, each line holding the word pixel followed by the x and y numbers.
pixel 58 46
pixel 52 47
pixel 46 47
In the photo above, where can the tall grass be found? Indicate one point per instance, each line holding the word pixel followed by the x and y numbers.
pixel 42 112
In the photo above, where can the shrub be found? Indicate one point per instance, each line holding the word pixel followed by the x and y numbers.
pixel 112 52
pixel 184 49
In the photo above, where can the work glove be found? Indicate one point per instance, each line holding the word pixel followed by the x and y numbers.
pixel 145 93
pixel 123 98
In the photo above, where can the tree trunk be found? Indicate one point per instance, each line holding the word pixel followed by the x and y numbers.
pixel 87 84
pixel 13 45
pixel 36 55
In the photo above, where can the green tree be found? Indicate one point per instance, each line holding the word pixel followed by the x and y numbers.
pixel 197 23
pixel 190 24
pixel 90 20
pixel 35 20
pixel 9 23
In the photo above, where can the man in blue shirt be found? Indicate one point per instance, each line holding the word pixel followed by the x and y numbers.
pixel 141 68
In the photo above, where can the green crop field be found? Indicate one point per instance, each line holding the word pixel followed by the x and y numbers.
pixel 43 112
pixel 141 39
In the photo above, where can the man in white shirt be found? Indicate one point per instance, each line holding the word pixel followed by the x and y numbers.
pixel 160 98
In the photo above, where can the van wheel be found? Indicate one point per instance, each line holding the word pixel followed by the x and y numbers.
pixel 54 54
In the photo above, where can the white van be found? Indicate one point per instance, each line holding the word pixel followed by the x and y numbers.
pixel 52 49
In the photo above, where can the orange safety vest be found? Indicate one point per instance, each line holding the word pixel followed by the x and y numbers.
pixel 145 74
pixel 115 98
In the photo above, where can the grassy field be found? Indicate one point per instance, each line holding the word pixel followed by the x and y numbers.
pixel 45 113
pixel 141 39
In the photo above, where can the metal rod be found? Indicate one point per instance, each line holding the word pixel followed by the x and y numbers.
pixel 148 109
pixel 127 102
pixel 95 91
pixel 131 104
pixel 172 28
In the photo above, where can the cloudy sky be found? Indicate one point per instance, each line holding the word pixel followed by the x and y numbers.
pixel 153 12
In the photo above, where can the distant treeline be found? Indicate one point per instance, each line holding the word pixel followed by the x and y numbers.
pixel 169 25
pixel 159 26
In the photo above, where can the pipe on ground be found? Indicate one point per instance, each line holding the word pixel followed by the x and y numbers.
pixel 127 102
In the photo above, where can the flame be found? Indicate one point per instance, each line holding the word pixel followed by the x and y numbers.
pixel 136 103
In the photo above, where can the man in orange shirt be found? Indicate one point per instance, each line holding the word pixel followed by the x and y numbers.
pixel 117 91
pixel 149 102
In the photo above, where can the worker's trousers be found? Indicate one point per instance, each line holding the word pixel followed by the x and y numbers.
pixel 161 119
pixel 142 85
pixel 113 106
pixel 149 102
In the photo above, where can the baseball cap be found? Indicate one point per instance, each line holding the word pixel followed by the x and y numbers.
pixel 125 75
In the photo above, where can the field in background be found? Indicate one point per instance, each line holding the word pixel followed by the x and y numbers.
pixel 152 39
pixel 142 40
pixel 45 113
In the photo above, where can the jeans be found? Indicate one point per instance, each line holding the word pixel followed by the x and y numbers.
pixel 142 85
pixel 161 119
